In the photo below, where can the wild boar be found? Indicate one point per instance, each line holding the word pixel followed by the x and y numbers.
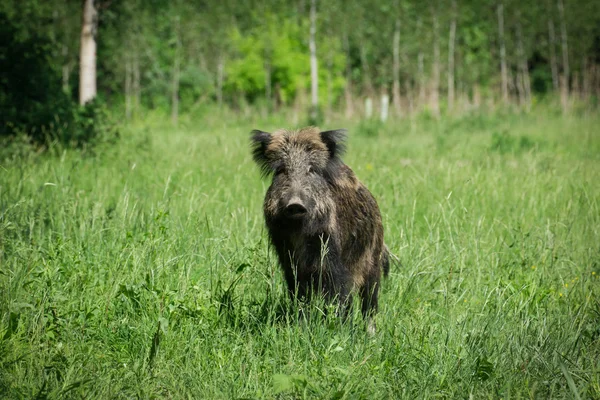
pixel 323 222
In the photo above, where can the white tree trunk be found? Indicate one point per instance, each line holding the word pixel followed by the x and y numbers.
pixel 451 41
pixel 314 77
pixel 87 56
pixel 503 69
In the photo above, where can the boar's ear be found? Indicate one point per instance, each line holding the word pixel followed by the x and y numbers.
pixel 259 142
pixel 334 140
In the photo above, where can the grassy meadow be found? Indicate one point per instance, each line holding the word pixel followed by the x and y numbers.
pixel 141 269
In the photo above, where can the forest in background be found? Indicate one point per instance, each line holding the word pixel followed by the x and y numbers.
pixel 438 57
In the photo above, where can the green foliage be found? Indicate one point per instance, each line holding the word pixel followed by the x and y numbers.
pixel 281 47
pixel 32 101
pixel 145 270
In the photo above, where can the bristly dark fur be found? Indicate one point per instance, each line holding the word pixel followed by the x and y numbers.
pixel 323 222
pixel 335 141
pixel 259 142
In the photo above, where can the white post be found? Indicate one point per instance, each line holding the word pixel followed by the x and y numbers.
pixel 368 108
pixel 385 102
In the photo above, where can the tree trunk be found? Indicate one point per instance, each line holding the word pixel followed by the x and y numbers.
pixel 176 71
pixel 476 96
pixel 87 56
pixel 220 69
pixel 503 69
pixel 524 81
pixel 553 61
pixel 66 70
pixel 314 77
pixel 435 90
pixel 420 70
pixel 421 78
pixel 586 79
pixel 409 95
pixel 128 87
pixel 329 86
pixel 348 95
pixel 366 72
pixel 396 68
pixel 451 40
pixel 268 82
pixel 565 58
pixel 575 86
pixel 348 86
pixel 136 82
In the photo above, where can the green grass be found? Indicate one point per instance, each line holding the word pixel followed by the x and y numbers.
pixel 143 269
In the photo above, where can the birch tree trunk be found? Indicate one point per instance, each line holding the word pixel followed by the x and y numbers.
pixel 314 86
pixel 176 72
pixel 87 56
pixel 435 90
pixel 396 69
pixel 451 41
pixel 565 58
pixel 503 69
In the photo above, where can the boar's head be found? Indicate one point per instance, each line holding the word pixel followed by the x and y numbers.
pixel 304 164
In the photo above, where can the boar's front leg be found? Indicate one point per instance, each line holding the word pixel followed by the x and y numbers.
pixel 335 280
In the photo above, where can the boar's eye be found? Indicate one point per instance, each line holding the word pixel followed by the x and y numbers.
pixel 311 169
pixel 280 170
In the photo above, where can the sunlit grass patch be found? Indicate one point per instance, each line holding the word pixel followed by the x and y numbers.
pixel 144 270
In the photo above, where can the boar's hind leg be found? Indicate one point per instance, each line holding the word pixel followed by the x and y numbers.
pixel 369 294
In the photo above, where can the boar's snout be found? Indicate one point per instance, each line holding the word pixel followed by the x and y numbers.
pixel 295 208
